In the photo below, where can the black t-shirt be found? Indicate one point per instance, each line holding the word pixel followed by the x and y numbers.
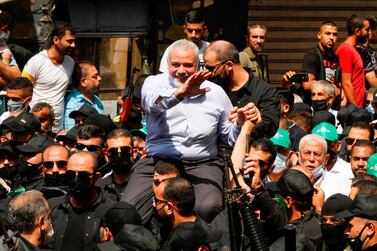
pixel 74 234
pixel 312 64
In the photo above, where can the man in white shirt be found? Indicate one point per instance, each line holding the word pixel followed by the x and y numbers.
pixel 186 115
pixel 50 71
pixel 337 176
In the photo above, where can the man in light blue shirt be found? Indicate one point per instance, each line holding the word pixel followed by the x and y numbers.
pixel 186 115
pixel 86 80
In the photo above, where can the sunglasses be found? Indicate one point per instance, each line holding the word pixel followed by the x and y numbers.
pixel 158 201
pixel 213 67
pixel 90 148
pixel 351 141
pixel 70 174
pixel 59 164
pixel 123 149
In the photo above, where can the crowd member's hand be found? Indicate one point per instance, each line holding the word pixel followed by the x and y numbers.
pixel 318 199
pixel 233 114
pixel 292 159
pixel 249 112
pixel 6 56
pixel 192 85
pixel 286 79
pixel 252 169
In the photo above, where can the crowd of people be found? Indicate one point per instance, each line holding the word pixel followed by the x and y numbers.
pixel 209 151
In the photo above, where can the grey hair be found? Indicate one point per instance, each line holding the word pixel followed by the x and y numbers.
pixel 39 107
pixel 183 45
pixel 25 209
pixel 330 90
pixel 312 137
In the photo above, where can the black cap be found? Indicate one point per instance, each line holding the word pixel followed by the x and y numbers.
pixel 363 206
pixel 120 214
pixel 296 184
pixel 323 116
pixel 336 203
pixel 25 122
pixel 103 122
pixel 7 147
pixel 85 110
pixel 70 135
pixel 301 107
pixel 37 144
pixel 131 237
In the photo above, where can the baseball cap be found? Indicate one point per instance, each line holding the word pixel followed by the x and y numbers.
pixel 281 138
pixel 372 165
pixel 296 184
pixel 326 131
pixel 301 107
pixel 131 237
pixel 24 122
pixel 37 144
pixel 336 203
pixel 323 116
pixel 120 214
pixel 139 132
pixel 7 147
pixel 85 110
pixel 70 135
pixel 103 122
pixel 363 206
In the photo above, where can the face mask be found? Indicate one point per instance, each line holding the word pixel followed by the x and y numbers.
pixel 319 105
pixel 29 170
pixel 8 173
pixel 15 106
pixel 279 163
pixel 356 243
pixel 317 173
pixel 5 35
pixel 55 179
pixel 333 236
pixel 121 162
pixel 223 82
pixel 370 109
pixel 79 185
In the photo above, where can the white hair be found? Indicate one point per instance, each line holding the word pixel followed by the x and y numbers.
pixel 329 88
pixel 183 45
pixel 313 137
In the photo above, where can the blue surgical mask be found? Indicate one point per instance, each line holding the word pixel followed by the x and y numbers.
pixel 370 109
pixel 318 172
pixel 15 106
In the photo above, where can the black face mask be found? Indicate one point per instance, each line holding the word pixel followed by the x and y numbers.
pixel 29 170
pixel 55 179
pixel 79 185
pixel 8 172
pixel 319 105
pixel 223 82
pixel 121 162
pixel 356 243
pixel 333 236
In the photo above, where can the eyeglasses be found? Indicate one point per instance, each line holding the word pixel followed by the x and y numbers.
pixel 59 164
pixel 90 148
pixel 70 174
pixel 123 149
pixel 213 67
pixel 351 141
pixel 158 201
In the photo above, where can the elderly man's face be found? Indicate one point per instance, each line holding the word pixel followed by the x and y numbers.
pixel 312 154
pixel 182 64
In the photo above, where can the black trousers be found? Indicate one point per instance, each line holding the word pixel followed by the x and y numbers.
pixel 206 176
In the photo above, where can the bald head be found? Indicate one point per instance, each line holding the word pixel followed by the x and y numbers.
pixel 223 51
pixel 56 150
pixel 82 161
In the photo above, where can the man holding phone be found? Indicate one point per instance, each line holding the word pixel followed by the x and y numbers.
pixel 320 62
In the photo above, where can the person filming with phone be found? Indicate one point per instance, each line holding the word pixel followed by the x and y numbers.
pixel 320 63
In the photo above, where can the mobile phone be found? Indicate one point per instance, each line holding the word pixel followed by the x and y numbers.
pixel 299 77
pixel 246 177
